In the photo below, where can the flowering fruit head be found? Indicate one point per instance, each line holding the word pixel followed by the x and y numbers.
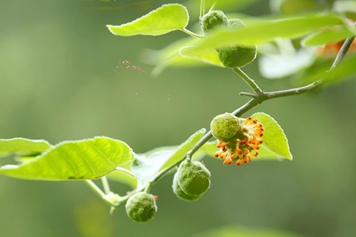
pixel 244 145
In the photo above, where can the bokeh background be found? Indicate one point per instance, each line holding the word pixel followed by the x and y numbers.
pixel 57 82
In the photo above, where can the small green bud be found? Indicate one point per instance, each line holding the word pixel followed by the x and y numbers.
pixel 141 207
pixel 193 178
pixel 225 126
pixel 212 19
pixel 180 193
pixel 237 56
pixel 235 23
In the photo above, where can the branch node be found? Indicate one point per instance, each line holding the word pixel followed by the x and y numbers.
pixel 249 94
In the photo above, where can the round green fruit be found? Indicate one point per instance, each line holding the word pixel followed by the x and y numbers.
pixel 212 19
pixel 237 56
pixel 141 207
pixel 180 193
pixel 193 178
pixel 224 127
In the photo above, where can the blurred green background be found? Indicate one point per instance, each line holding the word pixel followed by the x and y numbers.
pixel 57 82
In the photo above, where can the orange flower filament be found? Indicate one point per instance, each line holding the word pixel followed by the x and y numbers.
pixel 244 145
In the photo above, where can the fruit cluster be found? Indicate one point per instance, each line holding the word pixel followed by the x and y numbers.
pixel 235 55
pixel 190 182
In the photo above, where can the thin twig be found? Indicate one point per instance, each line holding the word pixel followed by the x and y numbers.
pixel 248 80
pixel 248 94
pixel 106 185
pixel 344 48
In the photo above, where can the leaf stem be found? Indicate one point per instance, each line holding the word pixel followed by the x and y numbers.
pixel 343 50
pixel 127 172
pixel 248 94
pixel 111 199
pixel 106 185
pixel 248 80
pixel 95 188
pixel 192 33
pixel 202 8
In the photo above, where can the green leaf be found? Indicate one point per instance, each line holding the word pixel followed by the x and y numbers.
pixel 209 56
pixel 145 169
pixel 327 36
pixel 345 70
pixel 178 62
pixel 74 160
pixel 124 176
pixel 320 70
pixel 274 140
pixel 182 150
pixel 164 19
pixel 22 146
pixel 294 6
pixel 170 56
pixel 266 31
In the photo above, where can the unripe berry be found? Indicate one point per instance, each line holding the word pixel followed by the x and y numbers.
pixel 212 19
pixel 237 56
pixel 235 23
pixel 224 127
pixel 193 178
pixel 180 193
pixel 141 207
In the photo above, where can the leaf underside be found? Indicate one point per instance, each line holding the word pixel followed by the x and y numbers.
pixel 22 147
pixel 145 169
pixel 73 160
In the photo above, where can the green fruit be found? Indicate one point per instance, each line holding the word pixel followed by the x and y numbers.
pixel 237 56
pixel 212 19
pixel 224 127
pixel 180 193
pixel 193 178
pixel 141 207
